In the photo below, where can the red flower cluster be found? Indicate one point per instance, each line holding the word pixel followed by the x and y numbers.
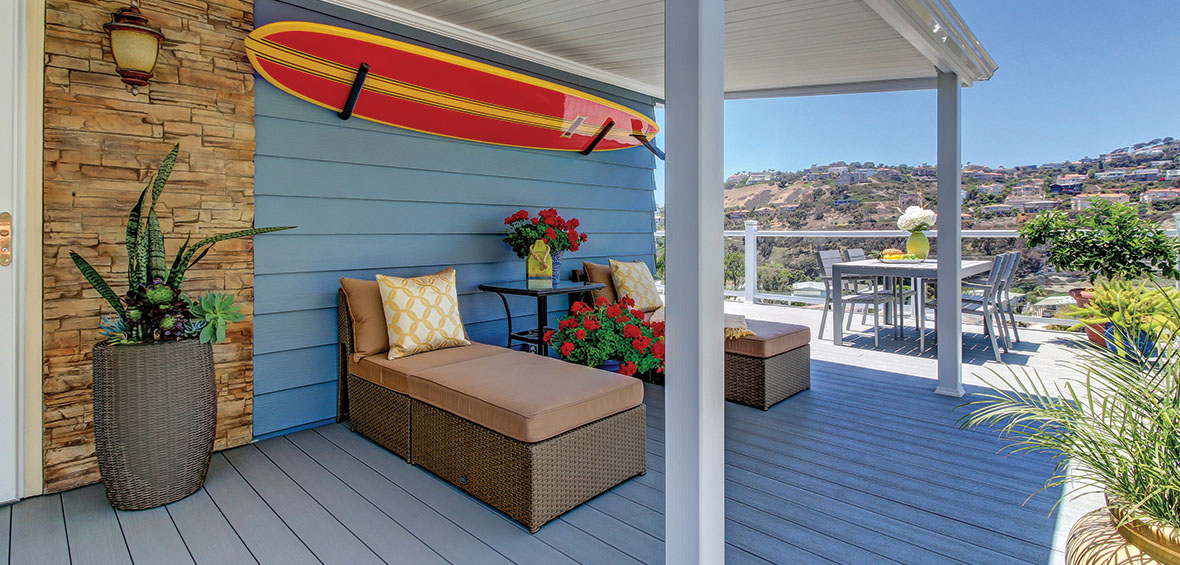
pixel 628 369
pixel 591 324
pixel 632 331
pixel 559 233
pixel 594 334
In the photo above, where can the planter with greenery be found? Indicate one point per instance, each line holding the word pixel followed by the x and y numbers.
pixel 1113 429
pixel 560 234
pixel 1141 310
pixel 155 397
pixel 1105 241
pixel 609 333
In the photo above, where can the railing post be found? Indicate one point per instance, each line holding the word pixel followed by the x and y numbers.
pixel 751 260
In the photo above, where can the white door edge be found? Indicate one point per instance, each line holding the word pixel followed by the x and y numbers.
pixel 12 294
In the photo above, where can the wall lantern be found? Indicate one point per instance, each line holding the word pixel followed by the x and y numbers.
pixel 134 45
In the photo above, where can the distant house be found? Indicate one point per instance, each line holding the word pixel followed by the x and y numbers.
pixel 1112 174
pixel 889 174
pixel 1026 192
pixel 1173 174
pixel 994 189
pixel 999 209
pixel 1144 175
pixel 1150 152
pixel 837 170
pixel 1083 202
pixel 906 200
pixel 1072 186
pixel 855 177
pixel 845 202
pixel 736 177
pixel 736 215
pixel 985 176
pixel 1162 163
pixel 1034 206
pixel 1160 194
pixel 813 176
pixel 756 178
pixel 925 171
pixel 1054 166
pixel 764 211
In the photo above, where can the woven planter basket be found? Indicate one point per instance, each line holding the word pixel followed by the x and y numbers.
pixel 155 414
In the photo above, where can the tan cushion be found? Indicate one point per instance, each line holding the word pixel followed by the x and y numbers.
pixel 524 396
pixel 422 313
pixel 369 336
pixel 596 273
pixel 394 373
pixel 769 339
pixel 633 278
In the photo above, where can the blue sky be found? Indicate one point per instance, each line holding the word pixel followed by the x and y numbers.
pixel 1076 78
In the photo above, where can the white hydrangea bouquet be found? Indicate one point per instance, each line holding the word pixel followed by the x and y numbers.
pixel 916 219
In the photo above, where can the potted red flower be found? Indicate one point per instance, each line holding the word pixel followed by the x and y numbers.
pixel 559 233
pixel 611 336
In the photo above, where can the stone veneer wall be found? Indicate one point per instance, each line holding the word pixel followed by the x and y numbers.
pixel 101 146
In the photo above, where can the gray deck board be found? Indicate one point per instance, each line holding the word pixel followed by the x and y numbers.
pixel 39 532
pixel 92 528
pixel 308 522
pixel 451 542
pixel 868 466
pixel 381 533
pixel 209 537
pixel 5 528
pixel 152 537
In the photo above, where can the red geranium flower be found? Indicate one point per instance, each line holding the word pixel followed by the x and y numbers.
pixel 623 319
pixel 603 301
pixel 640 344
pixel 637 313
pixel 626 300
pixel 574 223
pixel 548 336
pixel 536 221
pixel 627 369
pixel 614 310
pixel 550 234
pixel 583 237
pixel 657 349
pixel 567 348
pixel 632 331
pixel 579 307
pixel 591 323
pixel 657 328
pixel 580 334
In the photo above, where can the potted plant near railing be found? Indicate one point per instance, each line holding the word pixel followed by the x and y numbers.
pixel 610 336
pixel 1141 310
pixel 1103 242
pixel 1113 429
pixel 155 397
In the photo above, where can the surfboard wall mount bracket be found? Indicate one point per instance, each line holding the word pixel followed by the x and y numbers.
pixel 598 138
pixel 357 85
pixel 648 144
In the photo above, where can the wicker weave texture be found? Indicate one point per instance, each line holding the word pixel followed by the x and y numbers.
pixel 380 414
pixel 343 352
pixel 155 415
pixel 762 383
pixel 532 483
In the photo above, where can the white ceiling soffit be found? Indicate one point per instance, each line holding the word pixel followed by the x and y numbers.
pixel 773 48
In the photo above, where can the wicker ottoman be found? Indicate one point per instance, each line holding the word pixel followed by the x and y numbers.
pixel 768 367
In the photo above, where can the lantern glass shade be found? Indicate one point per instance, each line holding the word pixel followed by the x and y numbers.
pixel 134 49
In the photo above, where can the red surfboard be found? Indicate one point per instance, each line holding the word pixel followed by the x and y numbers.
pixel 424 90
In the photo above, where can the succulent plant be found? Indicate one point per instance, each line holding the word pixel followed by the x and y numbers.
pixel 217 311
pixel 154 294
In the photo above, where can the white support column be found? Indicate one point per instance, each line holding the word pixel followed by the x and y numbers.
pixel 752 260
pixel 694 406
pixel 950 237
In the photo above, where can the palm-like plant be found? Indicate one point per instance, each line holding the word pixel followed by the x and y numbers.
pixel 1118 424
pixel 154 308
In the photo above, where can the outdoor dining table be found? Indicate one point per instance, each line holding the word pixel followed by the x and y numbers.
pixel 927 269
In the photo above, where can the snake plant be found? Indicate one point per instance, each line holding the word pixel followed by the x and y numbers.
pixel 153 307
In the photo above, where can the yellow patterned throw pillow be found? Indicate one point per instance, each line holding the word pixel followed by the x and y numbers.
pixel 634 279
pixel 422 313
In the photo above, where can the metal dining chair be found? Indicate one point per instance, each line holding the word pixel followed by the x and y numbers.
pixel 891 283
pixel 874 296
pixel 981 303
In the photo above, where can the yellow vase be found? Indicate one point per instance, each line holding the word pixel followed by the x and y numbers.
pixel 918 245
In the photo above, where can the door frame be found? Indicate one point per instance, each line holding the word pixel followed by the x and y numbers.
pixel 13 98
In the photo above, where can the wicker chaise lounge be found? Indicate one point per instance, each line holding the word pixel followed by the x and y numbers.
pixel 531 436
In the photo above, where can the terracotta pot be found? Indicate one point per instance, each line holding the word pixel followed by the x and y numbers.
pixel 1083 296
pixel 1160 541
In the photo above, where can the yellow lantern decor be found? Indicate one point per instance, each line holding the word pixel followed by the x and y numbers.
pixel 134 45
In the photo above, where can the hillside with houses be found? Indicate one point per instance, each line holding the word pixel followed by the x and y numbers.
pixel 856 195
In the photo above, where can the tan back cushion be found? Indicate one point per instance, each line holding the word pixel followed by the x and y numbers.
pixel 369 336
pixel 422 313
pixel 596 273
pixel 634 279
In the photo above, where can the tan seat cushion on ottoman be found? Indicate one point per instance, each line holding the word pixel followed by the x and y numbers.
pixel 393 374
pixel 524 396
pixel 769 339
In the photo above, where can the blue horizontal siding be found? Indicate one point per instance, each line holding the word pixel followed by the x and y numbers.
pixel 372 199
